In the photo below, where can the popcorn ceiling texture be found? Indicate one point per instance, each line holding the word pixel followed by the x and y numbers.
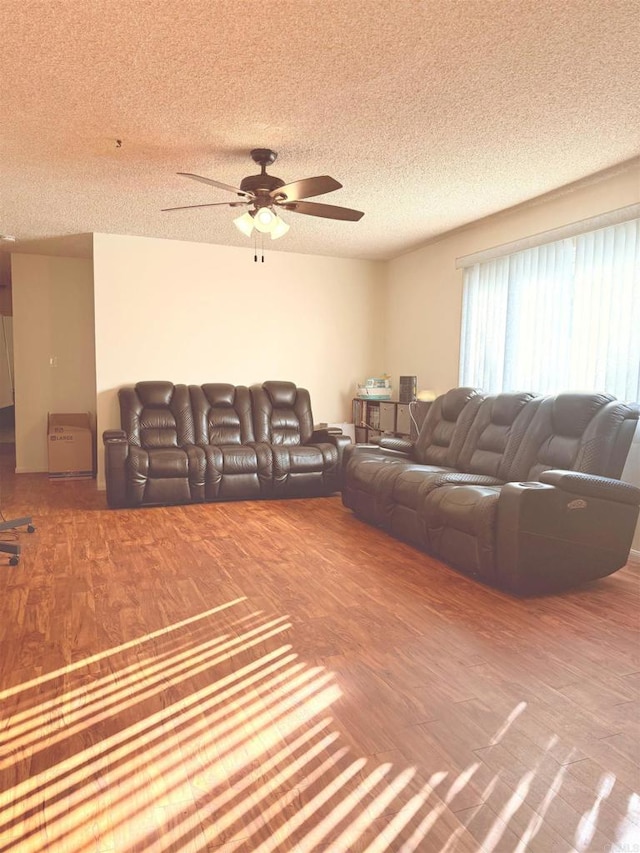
pixel 431 114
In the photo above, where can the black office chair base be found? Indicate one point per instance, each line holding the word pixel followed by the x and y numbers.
pixel 13 548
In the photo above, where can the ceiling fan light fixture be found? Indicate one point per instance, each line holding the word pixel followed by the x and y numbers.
pixel 245 224
pixel 264 219
pixel 279 228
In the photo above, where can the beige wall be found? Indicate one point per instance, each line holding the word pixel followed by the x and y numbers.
pixel 194 313
pixel 425 288
pixel 52 319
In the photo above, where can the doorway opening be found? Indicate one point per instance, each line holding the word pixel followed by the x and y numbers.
pixel 7 390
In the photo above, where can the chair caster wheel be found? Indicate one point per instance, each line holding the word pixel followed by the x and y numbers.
pixel 13 561
pixel 30 528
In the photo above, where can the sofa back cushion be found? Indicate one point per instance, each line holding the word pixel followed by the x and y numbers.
pixel 446 427
pixel 607 440
pixel 156 414
pixel 496 431
pixel 574 432
pixel 221 414
pixel 281 413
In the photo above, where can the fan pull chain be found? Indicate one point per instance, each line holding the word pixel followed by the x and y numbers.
pixel 255 247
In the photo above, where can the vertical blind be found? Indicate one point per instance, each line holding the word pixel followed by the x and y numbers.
pixel 561 316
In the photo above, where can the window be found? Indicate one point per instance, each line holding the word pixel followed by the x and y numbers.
pixel 561 316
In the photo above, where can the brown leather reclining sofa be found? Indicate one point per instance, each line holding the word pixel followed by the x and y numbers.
pixel 522 492
pixel 218 442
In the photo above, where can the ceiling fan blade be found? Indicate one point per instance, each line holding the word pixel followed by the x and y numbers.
pixel 218 184
pixel 307 187
pixel 215 204
pixel 328 211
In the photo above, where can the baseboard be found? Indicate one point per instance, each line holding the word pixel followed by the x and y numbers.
pixel 31 470
pixel 634 556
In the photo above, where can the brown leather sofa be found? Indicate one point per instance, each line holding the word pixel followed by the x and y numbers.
pixel 521 492
pixel 218 442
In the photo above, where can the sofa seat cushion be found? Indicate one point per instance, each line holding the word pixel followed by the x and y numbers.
pixel 403 512
pixel 168 462
pixel 409 483
pixel 365 470
pixel 367 486
pixel 237 459
pixel 237 470
pixel 300 468
pixel 157 476
pixel 300 458
pixel 460 524
pixel 377 486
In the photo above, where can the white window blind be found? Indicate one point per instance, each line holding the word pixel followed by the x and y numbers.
pixel 557 317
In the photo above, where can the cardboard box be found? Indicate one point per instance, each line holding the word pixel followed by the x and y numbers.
pixel 70 445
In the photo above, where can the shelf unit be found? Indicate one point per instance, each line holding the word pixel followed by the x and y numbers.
pixel 373 418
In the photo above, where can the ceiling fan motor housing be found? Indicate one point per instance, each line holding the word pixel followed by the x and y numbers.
pixel 260 184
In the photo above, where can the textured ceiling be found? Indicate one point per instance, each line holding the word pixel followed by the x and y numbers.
pixel 431 114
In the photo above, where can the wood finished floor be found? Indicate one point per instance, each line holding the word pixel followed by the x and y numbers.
pixel 277 676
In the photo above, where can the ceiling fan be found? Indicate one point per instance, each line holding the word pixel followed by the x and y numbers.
pixel 265 194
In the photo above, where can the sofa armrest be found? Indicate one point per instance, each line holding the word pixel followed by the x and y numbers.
pixel 323 434
pixel 114 435
pixel 550 538
pixel 591 486
pixel 116 451
pixel 357 452
pixel 324 430
pixel 402 445
pixel 339 441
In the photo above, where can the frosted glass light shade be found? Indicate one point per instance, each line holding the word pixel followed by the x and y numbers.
pixel 279 228
pixel 264 219
pixel 245 223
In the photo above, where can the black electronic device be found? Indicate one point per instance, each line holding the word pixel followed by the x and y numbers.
pixel 408 389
